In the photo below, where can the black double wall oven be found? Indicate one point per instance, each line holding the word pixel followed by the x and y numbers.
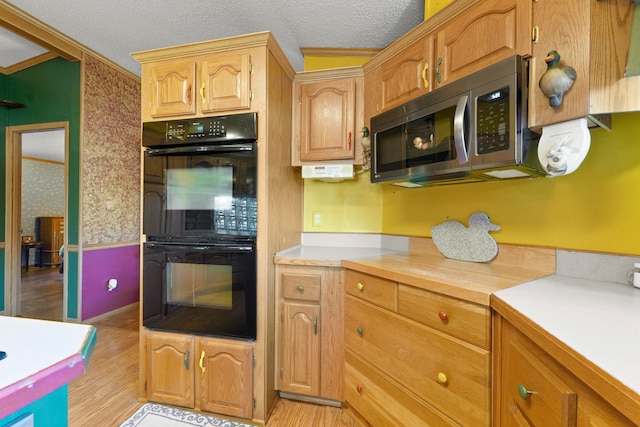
pixel 200 223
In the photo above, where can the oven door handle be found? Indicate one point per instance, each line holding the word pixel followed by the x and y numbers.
pixel 203 248
pixel 202 149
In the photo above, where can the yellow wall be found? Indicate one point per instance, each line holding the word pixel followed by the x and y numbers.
pixel 595 208
pixel 348 206
pixel 431 7
pixel 312 63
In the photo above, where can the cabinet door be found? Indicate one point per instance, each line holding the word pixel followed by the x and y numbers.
pixel 171 88
pixel 563 27
pixel 170 374
pixel 226 377
pixel 327 120
pixel 482 35
pixel 407 75
pixel 532 394
pixel 300 349
pixel 225 82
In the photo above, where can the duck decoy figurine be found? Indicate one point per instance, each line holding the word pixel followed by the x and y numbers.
pixel 366 148
pixel 474 243
pixel 557 79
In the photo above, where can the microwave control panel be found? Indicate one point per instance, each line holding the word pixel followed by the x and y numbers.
pixel 492 122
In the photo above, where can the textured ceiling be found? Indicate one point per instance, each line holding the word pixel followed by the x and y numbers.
pixel 116 28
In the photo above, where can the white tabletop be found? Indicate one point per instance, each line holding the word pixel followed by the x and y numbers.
pixel 599 320
pixel 34 345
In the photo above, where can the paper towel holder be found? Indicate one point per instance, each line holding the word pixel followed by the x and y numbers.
pixel 563 146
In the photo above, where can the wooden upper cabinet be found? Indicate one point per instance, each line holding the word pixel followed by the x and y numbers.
pixel 327 119
pixel 225 82
pixel 172 88
pixel 196 86
pixel 486 33
pixel 593 38
pixel 407 75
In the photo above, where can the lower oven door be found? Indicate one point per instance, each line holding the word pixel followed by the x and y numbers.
pixel 202 289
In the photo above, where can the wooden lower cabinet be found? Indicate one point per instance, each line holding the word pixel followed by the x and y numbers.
pixel 531 388
pixel 399 370
pixel 309 342
pixel 207 374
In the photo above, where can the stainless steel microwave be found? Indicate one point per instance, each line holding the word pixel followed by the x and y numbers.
pixel 473 129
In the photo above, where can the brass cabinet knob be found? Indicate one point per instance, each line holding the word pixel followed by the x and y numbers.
pixel 442 378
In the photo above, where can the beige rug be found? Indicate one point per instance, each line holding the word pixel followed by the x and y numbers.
pixel 154 415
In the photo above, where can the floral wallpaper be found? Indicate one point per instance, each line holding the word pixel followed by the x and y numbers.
pixel 42 194
pixel 110 182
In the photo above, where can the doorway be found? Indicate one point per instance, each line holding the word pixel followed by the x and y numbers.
pixel 44 148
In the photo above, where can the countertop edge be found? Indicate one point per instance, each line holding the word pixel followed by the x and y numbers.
pixel 595 375
pixel 26 391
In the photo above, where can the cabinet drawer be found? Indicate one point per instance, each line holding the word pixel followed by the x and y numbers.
pixel 384 403
pixel 301 286
pixel 448 373
pixel 469 322
pixel 381 292
pixel 531 390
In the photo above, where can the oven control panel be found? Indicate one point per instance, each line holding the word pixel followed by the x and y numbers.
pixel 194 130
pixel 207 129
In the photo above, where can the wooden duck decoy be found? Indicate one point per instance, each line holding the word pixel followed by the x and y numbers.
pixel 557 79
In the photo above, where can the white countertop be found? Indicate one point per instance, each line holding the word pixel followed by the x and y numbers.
pixel 40 356
pixel 332 248
pixel 320 253
pixel 599 320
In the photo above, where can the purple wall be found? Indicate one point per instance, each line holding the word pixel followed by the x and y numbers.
pixel 98 266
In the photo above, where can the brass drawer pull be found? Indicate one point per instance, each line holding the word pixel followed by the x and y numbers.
pixel 425 82
pixel 202 361
pixel 360 286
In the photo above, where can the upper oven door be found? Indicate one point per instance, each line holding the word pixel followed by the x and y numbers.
pixel 195 193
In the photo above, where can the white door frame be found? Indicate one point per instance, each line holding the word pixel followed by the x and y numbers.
pixel 13 211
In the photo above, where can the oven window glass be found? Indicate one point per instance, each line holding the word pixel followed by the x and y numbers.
pixel 200 188
pixel 201 289
pixel 200 285
pixel 200 196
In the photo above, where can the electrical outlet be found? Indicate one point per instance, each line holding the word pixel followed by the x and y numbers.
pixel 316 219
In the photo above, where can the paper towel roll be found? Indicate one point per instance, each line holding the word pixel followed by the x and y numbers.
pixel 564 146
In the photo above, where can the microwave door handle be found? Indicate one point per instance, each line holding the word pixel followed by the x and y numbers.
pixel 458 130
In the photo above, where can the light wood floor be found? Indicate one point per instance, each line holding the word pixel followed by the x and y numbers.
pixel 106 395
